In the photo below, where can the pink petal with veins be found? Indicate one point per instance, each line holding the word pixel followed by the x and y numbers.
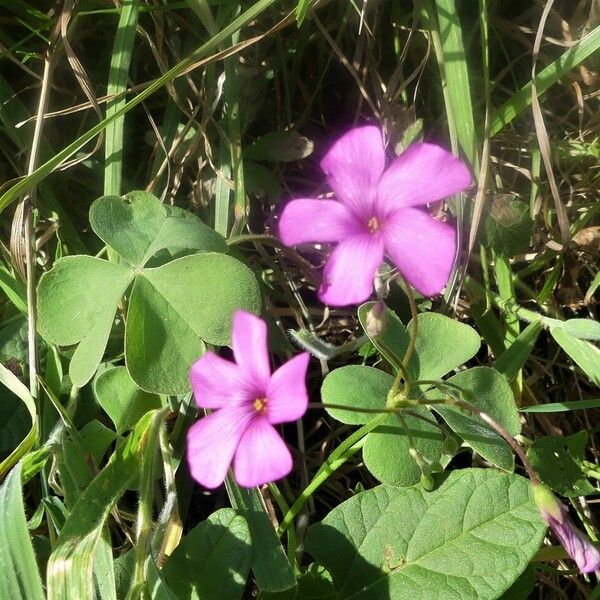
pixel 350 270
pixel 286 394
pixel 353 167
pixel 422 248
pixel 262 455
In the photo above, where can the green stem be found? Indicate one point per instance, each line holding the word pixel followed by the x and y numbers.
pixel 336 459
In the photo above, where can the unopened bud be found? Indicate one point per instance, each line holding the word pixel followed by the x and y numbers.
pixel 376 322
pixel 427 482
pixel 450 446
pixel 575 542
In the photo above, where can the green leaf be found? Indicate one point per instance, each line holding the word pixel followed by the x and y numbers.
pixel 554 458
pixel 174 307
pixel 394 340
pixel 583 329
pixel 386 449
pixel 137 226
pixel 270 565
pixel 70 567
pixel 442 345
pixel 77 302
pixel 212 560
pixel 123 401
pixel 547 77
pixel 508 226
pixel 470 539
pixel 10 381
pixel 15 421
pixel 97 438
pixel 515 356
pixel 585 354
pixel 315 584
pixel 551 407
pixel 489 392
pixel 301 11
pixel 357 387
pixel 20 578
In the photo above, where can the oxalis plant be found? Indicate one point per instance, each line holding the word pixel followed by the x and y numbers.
pixel 334 404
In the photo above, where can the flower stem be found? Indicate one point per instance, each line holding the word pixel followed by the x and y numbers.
pixel 509 439
pixel 336 459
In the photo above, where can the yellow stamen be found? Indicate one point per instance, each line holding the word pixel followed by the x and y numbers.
pixel 373 225
pixel 260 405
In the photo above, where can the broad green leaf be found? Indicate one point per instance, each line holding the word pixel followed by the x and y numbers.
pixel 442 345
pixel 584 353
pixel 489 392
pixel 77 302
pixel 315 584
pixel 97 438
pixel 515 356
pixel 13 340
pixel 554 458
pixel 70 567
pixel 20 578
pixel 174 307
pixel 137 226
pixel 123 401
pixel 77 293
pixel 508 226
pixel 357 387
pixel 394 340
pixel 470 539
pixel 522 588
pixel 212 560
pixel 270 565
pixel 386 449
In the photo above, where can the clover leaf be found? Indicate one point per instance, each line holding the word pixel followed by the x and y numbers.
pixel 184 290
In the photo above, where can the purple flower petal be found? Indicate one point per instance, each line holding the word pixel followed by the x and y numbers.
pixel 576 543
pixel 262 455
pixel 287 395
pixel 422 248
pixel 424 173
pixel 307 221
pixel 217 382
pixel 349 272
pixel 250 349
pixel 353 167
pixel 212 441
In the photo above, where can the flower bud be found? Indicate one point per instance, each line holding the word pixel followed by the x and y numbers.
pixel 376 322
pixel 575 542
pixel 427 482
pixel 450 446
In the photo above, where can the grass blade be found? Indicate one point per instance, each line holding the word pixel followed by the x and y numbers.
pixel 546 78
pixel 117 83
pixel 71 563
pixel 20 576
pixel 60 157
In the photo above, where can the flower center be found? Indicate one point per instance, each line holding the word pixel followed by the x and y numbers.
pixel 260 405
pixel 373 225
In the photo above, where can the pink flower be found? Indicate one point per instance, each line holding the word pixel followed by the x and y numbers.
pixel 375 214
pixel 249 401
pixel 575 542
